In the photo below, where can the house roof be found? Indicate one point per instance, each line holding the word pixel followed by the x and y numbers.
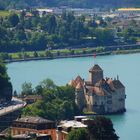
pixel 33 97
pixel 73 124
pixel 96 67
pixel 33 120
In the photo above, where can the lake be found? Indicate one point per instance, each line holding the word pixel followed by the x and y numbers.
pixel 61 71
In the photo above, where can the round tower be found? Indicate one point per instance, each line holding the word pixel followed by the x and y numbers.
pixel 95 74
pixel 79 96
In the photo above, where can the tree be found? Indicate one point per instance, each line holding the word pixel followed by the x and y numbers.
pixel 35 54
pixel 102 129
pixel 51 24
pixel 48 84
pixel 13 19
pixel 26 89
pixel 15 94
pixel 78 134
pixel 58 102
pixel 20 35
pixel 5 84
pixel 48 53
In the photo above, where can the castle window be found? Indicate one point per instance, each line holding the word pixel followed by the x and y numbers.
pixel 109 97
pixel 109 102
pixel 121 99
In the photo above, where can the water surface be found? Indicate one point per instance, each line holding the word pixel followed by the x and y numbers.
pixel 61 71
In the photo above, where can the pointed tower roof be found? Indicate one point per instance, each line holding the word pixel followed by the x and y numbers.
pixel 79 79
pixel 96 67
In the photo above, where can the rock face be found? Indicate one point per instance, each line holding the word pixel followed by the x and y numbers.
pixel 103 96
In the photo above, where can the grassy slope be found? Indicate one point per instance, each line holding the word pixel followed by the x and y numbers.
pixel 4 13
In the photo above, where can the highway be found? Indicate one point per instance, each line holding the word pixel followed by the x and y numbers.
pixel 15 104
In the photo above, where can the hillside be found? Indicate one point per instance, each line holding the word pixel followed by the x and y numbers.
pixel 73 3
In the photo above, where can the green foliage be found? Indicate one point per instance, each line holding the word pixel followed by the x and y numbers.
pixel 4 56
pixel 74 3
pixel 102 129
pixel 99 49
pixel 13 19
pixel 26 89
pixel 50 31
pixel 5 84
pixel 48 53
pixel 35 54
pixel 78 134
pixel 58 102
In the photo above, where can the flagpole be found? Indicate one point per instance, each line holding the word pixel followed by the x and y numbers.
pixel 94 55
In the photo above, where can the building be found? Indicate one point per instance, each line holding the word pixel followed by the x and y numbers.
pixel 32 98
pixel 38 125
pixel 66 126
pixel 98 94
pixel 31 136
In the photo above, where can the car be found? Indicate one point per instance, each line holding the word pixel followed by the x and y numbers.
pixel 1 108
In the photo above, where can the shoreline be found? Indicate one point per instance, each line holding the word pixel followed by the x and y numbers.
pixel 56 57
pixel 107 113
pixel 132 51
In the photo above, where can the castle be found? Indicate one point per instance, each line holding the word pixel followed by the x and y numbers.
pixel 99 95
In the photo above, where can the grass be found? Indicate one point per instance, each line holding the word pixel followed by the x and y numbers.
pixel 89 113
pixel 4 13
pixel 42 53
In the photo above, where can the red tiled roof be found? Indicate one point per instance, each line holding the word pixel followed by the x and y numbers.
pixel 79 79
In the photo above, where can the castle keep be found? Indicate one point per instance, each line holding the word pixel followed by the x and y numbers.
pixel 99 94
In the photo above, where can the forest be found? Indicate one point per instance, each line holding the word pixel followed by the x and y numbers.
pixel 29 32
pixel 8 4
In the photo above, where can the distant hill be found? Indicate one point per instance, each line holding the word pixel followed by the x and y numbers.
pixel 72 3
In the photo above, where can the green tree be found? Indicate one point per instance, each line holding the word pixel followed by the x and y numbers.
pixel 35 54
pixel 102 129
pixel 5 84
pixel 51 24
pixel 58 102
pixel 20 35
pixel 48 53
pixel 13 19
pixel 78 134
pixel 47 84
pixel 26 89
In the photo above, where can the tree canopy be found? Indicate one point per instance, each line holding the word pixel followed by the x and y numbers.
pixel 74 3
pixel 5 84
pixel 34 33
pixel 78 134
pixel 102 129
pixel 58 102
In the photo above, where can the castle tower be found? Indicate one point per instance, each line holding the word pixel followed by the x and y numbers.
pixel 95 74
pixel 80 97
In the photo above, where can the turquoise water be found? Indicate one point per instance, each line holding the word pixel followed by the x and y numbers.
pixel 61 71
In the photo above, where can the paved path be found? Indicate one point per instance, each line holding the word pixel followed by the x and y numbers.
pixel 14 105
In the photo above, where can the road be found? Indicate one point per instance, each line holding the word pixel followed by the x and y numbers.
pixel 14 105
